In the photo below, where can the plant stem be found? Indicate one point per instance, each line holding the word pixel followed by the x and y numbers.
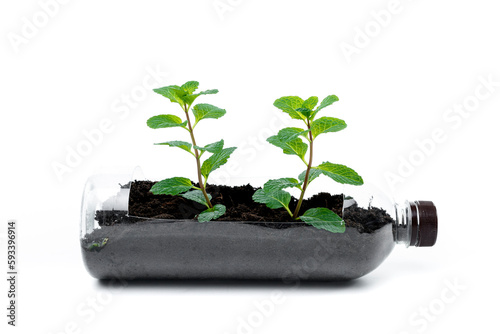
pixel 306 178
pixel 288 210
pixel 197 156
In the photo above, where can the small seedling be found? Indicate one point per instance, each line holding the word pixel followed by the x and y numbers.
pixel 185 96
pixel 290 140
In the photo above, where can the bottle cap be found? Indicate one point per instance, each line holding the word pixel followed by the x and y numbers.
pixel 424 224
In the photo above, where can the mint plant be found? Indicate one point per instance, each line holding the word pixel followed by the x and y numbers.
pixel 185 96
pixel 291 141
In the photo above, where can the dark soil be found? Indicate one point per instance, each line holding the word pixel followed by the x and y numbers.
pixel 238 202
pixel 239 207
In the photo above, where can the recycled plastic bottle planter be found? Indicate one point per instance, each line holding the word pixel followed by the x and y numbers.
pixel 129 247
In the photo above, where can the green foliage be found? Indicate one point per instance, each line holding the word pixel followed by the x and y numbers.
pixel 185 96
pixel 310 103
pixel 291 141
pixel 325 103
pixel 216 160
pixel 340 173
pixel 273 195
pixel 202 111
pixel 165 121
pixel 288 140
pixel 212 148
pixel 212 213
pixel 325 219
pixel 190 86
pixel 274 200
pixel 173 93
pixel 290 104
pixel 279 184
pixel 326 124
pixel 178 143
pixel 313 173
pixel 300 109
pixel 172 186
pixel 197 196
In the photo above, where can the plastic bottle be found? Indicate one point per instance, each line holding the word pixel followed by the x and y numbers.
pixel 150 248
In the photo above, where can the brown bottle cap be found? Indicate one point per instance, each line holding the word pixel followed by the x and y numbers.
pixel 424 224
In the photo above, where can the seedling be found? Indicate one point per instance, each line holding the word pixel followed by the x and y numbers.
pixel 185 96
pixel 291 141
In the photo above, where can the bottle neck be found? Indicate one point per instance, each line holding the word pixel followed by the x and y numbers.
pixel 416 224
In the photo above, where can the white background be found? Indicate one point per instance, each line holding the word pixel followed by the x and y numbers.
pixel 74 68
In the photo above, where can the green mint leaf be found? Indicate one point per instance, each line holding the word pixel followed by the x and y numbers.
pixel 304 111
pixel 204 110
pixel 323 218
pixel 287 139
pixel 326 124
pixel 280 184
pixel 184 94
pixel 197 196
pixel 189 99
pixel 310 103
pixel 313 173
pixel 212 148
pixel 165 121
pixel 208 91
pixel 325 103
pixel 340 173
pixel 292 147
pixel 178 143
pixel 212 213
pixel 288 134
pixel 289 104
pixel 190 86
pixel 272 200
pixel 172 186
pixel 173 93
pixel 215 161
